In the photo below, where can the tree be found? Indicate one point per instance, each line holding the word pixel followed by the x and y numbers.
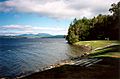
pixel 97 28
pixel 115 9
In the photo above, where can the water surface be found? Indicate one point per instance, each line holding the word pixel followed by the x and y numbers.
pixel 26 55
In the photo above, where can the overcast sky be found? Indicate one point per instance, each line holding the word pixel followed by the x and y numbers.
pixel 46 16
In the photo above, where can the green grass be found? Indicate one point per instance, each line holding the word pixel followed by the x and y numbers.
pixel 102 48
pixel 97 43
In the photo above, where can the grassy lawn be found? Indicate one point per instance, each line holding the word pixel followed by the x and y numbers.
pixel 102 48
pixel 97 43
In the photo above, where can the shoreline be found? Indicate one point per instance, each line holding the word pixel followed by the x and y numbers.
pixel 107 64
pixel 94 50
pixel 89 54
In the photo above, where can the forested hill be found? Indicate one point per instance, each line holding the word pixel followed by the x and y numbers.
pixel 100 27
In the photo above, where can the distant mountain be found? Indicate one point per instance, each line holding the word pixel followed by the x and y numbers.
pixel 39 35
pixel 26 35
pixel 43 35
pixel 58 36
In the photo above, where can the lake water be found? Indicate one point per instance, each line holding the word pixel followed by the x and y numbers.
pixel 26 55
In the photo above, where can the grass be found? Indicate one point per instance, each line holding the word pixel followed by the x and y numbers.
pixel 97 43
pixel 110 54
pixel 102 48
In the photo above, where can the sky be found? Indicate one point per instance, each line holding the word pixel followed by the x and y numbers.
pixel 46 16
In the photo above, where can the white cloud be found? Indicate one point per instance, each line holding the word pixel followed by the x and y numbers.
pixel 26 29
pixel 59 8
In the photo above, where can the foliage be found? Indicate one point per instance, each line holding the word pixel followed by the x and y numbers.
pixel 100 27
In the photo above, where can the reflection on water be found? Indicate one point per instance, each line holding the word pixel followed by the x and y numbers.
pixel 20 55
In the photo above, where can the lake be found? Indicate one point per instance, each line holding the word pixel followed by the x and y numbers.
pixel 27 55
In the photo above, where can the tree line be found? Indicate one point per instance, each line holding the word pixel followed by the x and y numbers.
pixel 100 27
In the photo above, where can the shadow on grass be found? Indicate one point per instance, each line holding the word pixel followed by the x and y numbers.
pixel 106 50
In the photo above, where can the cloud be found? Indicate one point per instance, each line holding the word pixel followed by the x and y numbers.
pixel 66 9
pixel 26 29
